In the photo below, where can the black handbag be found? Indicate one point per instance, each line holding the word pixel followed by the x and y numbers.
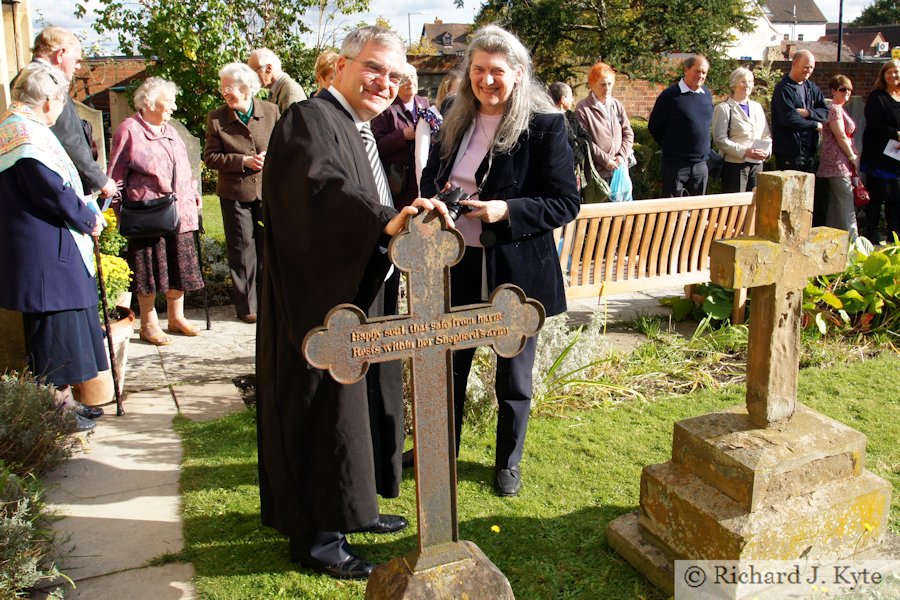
pixel 397 177
pixel 149 219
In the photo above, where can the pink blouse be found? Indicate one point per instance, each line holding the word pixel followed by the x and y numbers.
pixel 834 163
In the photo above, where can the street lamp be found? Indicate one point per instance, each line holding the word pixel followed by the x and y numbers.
pixel 409 26
pixel 840 29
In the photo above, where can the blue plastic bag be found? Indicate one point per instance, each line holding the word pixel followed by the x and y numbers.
pixel 620 186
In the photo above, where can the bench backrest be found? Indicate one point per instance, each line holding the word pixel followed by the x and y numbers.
pixel 623 247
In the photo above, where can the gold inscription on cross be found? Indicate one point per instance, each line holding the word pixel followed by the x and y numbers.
pixel 348 343
pixel 777 263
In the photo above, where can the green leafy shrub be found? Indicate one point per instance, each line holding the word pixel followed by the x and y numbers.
pixel 646 175
pixel 27 544
pixel 34 430
pixel 864 298
pixel 216 274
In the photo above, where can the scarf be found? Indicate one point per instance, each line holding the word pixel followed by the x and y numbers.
pixel 23 136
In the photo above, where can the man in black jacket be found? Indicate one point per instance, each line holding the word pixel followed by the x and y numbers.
pixel 326 449
pixel 798 111
pixel 60 48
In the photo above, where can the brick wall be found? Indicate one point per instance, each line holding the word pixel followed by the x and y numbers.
pixel 861 74
pixel 639 95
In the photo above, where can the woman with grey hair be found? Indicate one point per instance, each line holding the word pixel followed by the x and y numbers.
pixel 237 136
pixel 741 132
pixel 148 160
pixel 505 145
pixel 46 226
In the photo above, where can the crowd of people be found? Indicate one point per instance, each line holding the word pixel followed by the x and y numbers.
pixel 311 192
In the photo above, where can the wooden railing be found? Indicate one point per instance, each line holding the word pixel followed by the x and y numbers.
pixel 612 248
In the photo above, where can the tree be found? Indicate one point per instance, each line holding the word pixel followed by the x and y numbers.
pixel 188 42
pixel 880 12
pixel 630 35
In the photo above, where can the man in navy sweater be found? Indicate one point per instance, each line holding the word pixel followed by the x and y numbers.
pixel 680 123
pixel 798 111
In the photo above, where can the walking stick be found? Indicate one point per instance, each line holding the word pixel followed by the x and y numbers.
pixel 197 233
pixel 109 341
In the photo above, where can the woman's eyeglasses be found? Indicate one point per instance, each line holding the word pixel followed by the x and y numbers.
pixel 846 90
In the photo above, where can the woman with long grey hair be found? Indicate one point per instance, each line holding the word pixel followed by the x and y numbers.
pixel 505 145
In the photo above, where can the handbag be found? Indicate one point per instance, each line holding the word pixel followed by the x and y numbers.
pixel 596 189
pixel 397 176
pixel 149 219
pixel 860 193
pixel 714 162
pixel 153 218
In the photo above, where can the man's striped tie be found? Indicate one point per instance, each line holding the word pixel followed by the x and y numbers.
pixel 384 192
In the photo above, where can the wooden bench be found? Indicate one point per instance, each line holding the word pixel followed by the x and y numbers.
pixel 613 248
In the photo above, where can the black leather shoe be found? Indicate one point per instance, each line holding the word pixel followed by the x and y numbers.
pixel 508 482
pixel 408 460
pixel 352 567
pixel 88 412
pixel 385 524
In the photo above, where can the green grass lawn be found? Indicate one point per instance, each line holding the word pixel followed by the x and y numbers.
pixel 212 217
pixel 580 472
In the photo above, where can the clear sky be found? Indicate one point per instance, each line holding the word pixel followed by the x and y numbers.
pixel 405 17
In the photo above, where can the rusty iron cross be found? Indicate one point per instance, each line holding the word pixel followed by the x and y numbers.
pixel 348 344
pixel 777 263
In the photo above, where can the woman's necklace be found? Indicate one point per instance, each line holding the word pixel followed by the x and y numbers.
pixel 484 134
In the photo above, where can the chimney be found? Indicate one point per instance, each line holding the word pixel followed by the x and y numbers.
pixel 438 21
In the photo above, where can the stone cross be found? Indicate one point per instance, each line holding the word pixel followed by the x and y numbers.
pixel 349 343
pixel 777 263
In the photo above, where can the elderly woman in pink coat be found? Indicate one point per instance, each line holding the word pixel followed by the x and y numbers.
pixel 148 160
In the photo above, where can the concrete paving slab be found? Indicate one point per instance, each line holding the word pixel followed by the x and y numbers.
pixel 137 419
pixel 168 582
pixel 123 532
pixel 622 307
pixel 117 466
pixel 208 401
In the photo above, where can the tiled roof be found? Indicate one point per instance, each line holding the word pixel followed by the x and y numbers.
pixel 782 11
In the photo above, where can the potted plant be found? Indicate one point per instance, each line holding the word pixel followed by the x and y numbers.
pixel 117 282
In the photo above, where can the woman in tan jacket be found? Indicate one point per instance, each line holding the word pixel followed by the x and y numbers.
pixel 741 133
pixel 605 120
pixel 237 136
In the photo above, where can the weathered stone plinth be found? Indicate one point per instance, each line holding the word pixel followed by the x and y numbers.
pixel 736 492
pixel 473 578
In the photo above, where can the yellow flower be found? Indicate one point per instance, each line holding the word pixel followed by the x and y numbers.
pixel 495 528
pixel 815 588
pixel 867 527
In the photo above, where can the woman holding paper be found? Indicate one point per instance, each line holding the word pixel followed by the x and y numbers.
pixel 839 160
pixel 882 137
pixel 741 133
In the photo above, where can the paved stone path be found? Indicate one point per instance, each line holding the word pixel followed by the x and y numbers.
pixel 120 498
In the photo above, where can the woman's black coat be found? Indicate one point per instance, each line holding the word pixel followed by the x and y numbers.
pixel 537 181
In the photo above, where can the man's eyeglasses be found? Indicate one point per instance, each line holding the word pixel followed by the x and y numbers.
pixel 845 90
pixel 376 69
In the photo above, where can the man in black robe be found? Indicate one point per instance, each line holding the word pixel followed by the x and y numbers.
pixel 327 449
